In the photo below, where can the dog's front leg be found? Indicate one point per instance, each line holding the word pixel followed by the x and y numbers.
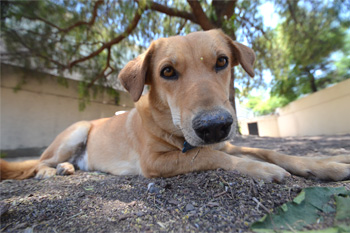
pixel 326 168
pixel 199 159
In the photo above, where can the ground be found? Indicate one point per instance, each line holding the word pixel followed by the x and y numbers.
pixel 209 201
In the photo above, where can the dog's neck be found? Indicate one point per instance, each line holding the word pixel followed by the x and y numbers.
pixel 158 121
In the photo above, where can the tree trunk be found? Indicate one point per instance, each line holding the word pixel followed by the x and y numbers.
pixel 313 83
pixel 312 80
pixel 232 96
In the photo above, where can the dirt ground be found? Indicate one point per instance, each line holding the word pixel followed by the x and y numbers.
pixel 198 202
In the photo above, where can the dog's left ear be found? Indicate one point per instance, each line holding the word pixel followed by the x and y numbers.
pixel 242 55
pixel 133 75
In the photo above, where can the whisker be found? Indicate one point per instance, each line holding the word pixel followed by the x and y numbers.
pixel 195 156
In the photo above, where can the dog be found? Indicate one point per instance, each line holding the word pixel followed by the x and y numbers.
pixel 184 123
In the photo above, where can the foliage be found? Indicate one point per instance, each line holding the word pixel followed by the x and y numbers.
pixel 302 45
pixel 308 208
pixel 86 94
pixel 341 70
pixel 264 107
pixel 3 155
pixel 63 35
pixel 95 39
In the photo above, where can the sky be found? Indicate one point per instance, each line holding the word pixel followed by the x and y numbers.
pixel 269 16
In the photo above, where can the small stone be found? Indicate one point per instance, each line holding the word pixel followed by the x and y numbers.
pixel 139 214
pixel 174 202
pixel 150 185
pixel 189 207
pixel 213 204
pixel 81 194
pixel 151 188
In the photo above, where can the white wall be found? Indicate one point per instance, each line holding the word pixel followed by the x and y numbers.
pixel 267 125
pixel 34 115
pixel 325 112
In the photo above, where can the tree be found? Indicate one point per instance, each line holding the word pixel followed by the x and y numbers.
pixel 341 68
pixel 262 106
pixel 303 43
pixel 96 38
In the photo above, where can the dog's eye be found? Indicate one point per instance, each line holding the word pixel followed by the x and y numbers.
pixel 169 73
pixel 221 63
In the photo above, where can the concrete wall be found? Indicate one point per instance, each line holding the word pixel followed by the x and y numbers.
pixel 325 112
pixel 33 116
pixel 267 125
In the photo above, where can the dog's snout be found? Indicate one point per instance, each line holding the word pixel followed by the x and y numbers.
pixel 212 126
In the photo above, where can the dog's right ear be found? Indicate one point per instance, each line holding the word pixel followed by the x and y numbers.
pixel 133 75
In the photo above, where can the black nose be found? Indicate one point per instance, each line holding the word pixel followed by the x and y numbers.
pixel 212 126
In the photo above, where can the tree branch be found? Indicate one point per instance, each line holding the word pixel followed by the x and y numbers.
pixel 102 74
pixel 230 8
pixel 116 40
pixel 170 11
pixel 77 24
pixel 92 20
pixel 181 27
pixel 291 10
pixel 222 9
pixel 244 20
pixel 201 18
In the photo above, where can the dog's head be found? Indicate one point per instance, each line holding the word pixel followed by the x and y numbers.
pixel 191 76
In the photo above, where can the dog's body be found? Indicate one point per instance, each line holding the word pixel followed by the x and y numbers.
pixel 182 124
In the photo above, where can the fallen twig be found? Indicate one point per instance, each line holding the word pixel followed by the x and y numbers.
pixel 260 204
pixel 220 194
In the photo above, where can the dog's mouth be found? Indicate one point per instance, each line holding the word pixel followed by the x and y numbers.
pixel 187 146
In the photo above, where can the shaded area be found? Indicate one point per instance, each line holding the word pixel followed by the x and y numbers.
pixel 205 201
pixel 22 154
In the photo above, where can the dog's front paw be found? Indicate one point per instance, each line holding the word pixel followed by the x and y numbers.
pixel 261 170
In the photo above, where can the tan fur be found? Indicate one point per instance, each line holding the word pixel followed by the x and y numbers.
pixel 17 170
pixel 148 140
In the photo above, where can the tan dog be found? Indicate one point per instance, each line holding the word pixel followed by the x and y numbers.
pixel 181 125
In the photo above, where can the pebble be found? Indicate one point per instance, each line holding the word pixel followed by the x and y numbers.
pixel 150 185
pixel 189 207
pixel 81 194
pixel 139 214
pixel 151 188
pixel 174 202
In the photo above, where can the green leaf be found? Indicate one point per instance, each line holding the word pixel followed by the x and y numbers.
pixel 301 197
pixel 342 217
pixel 306 209
pixel 284 207
pixel 343 206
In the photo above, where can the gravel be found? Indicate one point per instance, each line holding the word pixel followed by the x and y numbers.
pixel 208 201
